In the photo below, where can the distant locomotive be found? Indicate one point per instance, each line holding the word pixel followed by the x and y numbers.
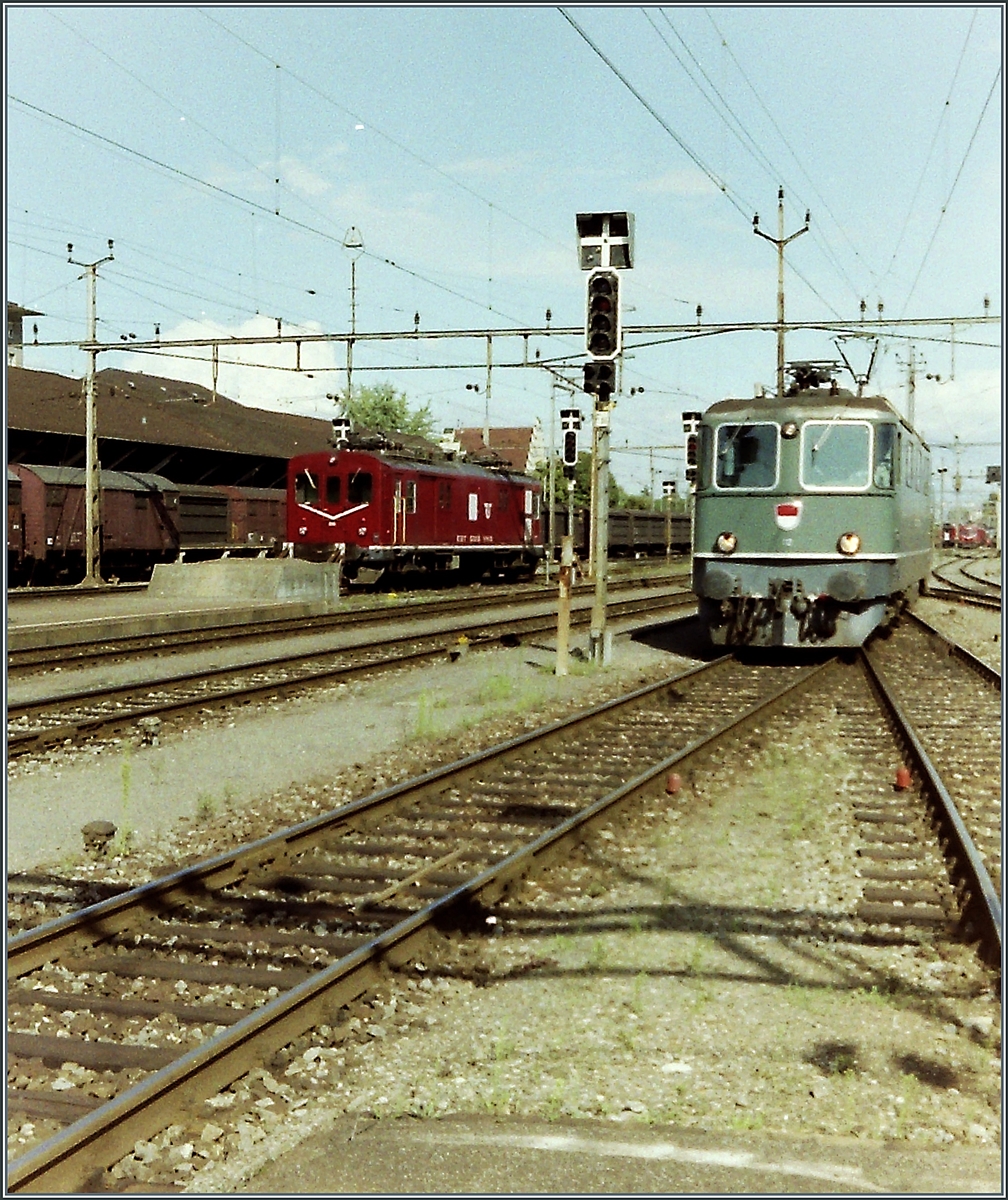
pixel 145 519
pixel 970 537
pixel 389 508
pixel 813 516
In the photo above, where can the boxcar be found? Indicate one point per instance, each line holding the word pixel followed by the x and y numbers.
pixel 15 528
pixel 257 517
pixel 813 518
pixel 136 522
pixel 388 513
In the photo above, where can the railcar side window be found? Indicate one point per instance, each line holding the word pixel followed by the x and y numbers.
pixel 885 436
pixel 332 490
pixel 411 495
pixel 359 488
pixel 305 488
pixel 835 454
pixel 746 456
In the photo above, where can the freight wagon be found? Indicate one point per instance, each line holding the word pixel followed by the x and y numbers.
pixel 145 519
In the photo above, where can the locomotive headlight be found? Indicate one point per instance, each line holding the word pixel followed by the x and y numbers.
pixel 726 543
pixel 789 429
pixel 849 543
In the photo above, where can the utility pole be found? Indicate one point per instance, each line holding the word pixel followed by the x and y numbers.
pixel 780 241
pixel 911 385
pixel 92 507
pixel 486 393
pixel 354 242
pixel 600 519
pixel 552 481
pixel 942 472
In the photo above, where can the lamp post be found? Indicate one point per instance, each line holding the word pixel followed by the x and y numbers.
pixel 942 472
pixel 354 242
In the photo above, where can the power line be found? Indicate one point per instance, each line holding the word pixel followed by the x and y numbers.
pixel 720 184
pixel 253 205
pixel 783 137
pixel 948 198
pixel 927 158
pixel 695 158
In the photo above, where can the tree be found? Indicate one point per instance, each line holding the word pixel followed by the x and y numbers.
pixel 382 409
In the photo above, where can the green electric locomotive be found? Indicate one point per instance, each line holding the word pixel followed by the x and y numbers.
pixel 813 516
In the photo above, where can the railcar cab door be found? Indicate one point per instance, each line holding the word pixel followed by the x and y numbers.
pixel 404 505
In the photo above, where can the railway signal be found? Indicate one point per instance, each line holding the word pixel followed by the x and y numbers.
pixel 570 423
pixel 605 247
pixel 599 377
pixel 602 324
pixel 691 427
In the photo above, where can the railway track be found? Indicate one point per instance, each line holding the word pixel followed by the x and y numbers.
pixel 150 1002
pixel 105 709
pixel 965 586
pixel 952 703
pixel 92 650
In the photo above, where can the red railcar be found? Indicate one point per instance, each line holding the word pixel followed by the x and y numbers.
pixel 386 511
pixel 971 537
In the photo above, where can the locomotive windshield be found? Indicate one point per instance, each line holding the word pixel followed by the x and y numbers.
pixel 836 454
pixel 746 456
pixel 305 488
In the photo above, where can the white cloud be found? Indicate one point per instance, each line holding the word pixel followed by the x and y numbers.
pixel 260 376
pixel 684 181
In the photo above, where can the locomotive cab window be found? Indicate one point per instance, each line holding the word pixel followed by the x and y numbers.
pixel 885 444
pixel 746 456
pixel 332 490
pixel 359 488
pixel 305 488
pixel 836 454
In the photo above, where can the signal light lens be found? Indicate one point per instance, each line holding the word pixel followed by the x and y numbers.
pixel 726 543
pixel 602 337
pixel 849 543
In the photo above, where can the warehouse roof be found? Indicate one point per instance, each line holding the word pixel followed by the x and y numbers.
pixel 135 407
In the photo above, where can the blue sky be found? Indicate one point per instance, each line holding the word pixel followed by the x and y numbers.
pixel 461 142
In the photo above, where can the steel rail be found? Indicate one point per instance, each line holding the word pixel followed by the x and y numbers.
pixel 941 572
pixel 76 1156
pixel 20 742
pixel 284 626
pixel 984 670
pixel 982 901
pixel 963 597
